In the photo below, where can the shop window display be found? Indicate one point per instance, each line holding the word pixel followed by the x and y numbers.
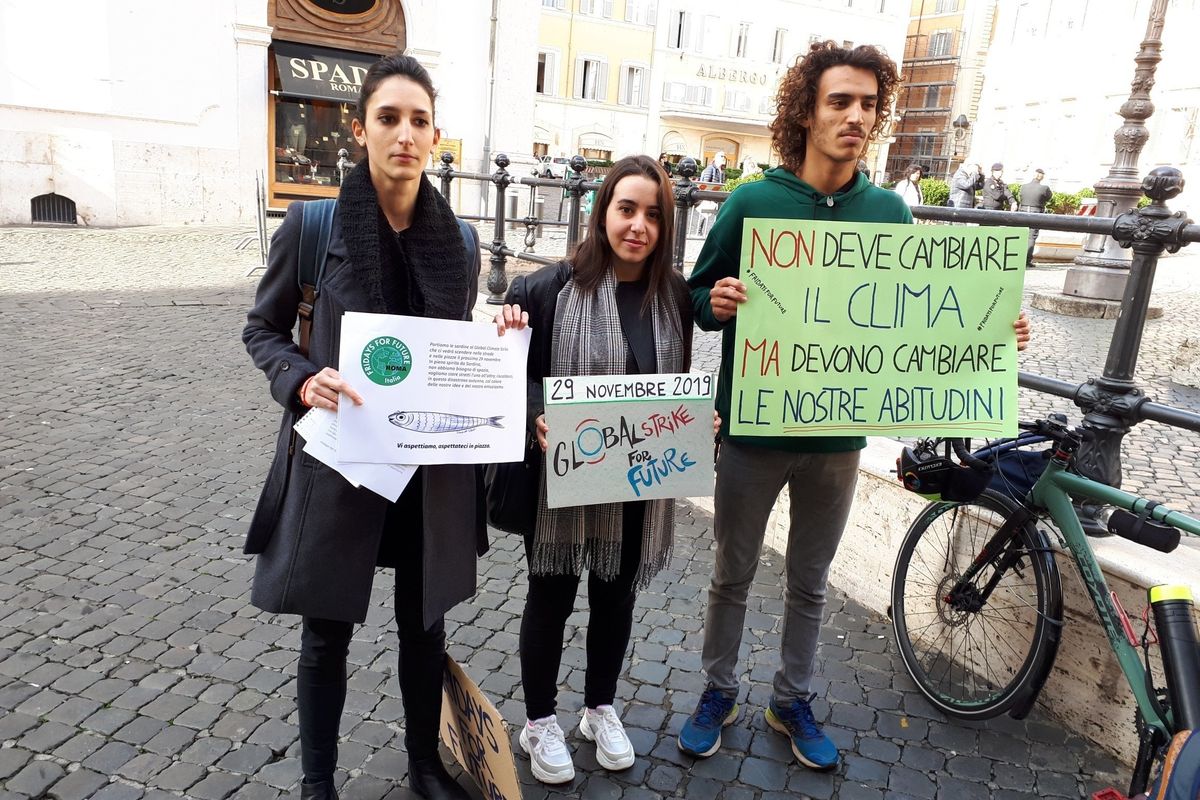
pixel 308 135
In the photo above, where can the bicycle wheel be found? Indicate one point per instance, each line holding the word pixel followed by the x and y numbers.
pixel 974 648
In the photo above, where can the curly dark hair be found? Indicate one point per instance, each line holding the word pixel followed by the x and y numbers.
pixel 797 95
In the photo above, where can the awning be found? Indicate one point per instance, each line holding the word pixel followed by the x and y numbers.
pixel 306 70
pixel 673 145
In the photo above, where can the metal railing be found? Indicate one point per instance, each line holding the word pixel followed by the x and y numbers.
pixel 1111 403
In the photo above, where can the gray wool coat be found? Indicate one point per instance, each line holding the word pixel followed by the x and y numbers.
pixel 316 537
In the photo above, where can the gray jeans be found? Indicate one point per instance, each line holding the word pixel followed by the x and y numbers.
pixel 749 479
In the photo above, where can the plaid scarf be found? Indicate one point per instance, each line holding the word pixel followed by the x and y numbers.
pixel 588 340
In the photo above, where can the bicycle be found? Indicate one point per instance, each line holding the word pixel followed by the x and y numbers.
pixel 976 597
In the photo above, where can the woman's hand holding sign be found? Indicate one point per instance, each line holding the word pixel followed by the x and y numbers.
pixel 511 316
pixel 322 390
pixel 724 298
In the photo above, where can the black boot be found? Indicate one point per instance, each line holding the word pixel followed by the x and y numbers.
pixel 317 791
pixel 429 779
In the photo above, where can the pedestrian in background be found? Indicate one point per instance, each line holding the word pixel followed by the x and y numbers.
pixel 996 194
pixel 1034 197
pixel 616 307
pixel 910 187
pixel 967 180
pixel 664 161
pixel 396 248
pixel 715 171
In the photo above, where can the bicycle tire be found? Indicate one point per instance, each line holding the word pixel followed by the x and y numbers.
pixel 1008 659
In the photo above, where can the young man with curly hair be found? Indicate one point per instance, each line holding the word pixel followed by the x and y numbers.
pixel 831 104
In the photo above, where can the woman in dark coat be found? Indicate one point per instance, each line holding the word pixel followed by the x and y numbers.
pixel 395 248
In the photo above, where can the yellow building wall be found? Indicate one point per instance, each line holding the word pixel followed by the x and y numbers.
pixel 573 34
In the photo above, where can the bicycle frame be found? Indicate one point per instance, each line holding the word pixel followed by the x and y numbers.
pixel 1053 492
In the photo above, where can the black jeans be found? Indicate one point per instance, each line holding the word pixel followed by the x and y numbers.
pixel 321 670
pixel 551 599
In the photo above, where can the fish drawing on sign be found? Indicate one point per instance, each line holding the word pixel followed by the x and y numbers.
pixel 438 422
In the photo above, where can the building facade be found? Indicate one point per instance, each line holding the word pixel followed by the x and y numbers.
pixel 717 68
pixel 943 77
pixel 1058 73
pixel 170 113
pixel 693 78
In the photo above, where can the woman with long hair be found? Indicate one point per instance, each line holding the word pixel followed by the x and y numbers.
pixel 616 306
pixel 395 248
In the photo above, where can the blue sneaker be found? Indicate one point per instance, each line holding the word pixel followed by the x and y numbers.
pixel 701 734
pixel 809 743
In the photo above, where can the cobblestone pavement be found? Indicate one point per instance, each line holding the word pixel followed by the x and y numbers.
pixel 131 664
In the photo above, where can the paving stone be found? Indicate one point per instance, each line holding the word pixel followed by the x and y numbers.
pixel 865 771
pixel 910 782
pixel 142 768
pixel 78 747
pixel 206 751
pixel 47 736
pixel 35 778
pixel 248 758
pixel 216 786
pixel 764 774
pixel 79 785
pixel 110 758
pixel 12 759
pixel 118 791
pixel 179 776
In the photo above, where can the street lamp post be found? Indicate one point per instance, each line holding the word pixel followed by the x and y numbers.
pixel 960 125
pixel 1102 270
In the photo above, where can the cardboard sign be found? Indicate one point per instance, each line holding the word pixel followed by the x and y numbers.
pixel 858 329
pixel 452 146
pixel 474 731
pixel 620 438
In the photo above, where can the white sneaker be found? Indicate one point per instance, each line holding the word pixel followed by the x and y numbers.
pixel 549 757
pixel 601 725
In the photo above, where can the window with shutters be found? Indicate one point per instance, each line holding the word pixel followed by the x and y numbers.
pixel 674 92
pixel 939 44
pixel 546 75
pixel 557 4
pixel 736 100
pixel 591 79
pixel 679 34
pixel 741 40
pixel 698 96
pixel 587 6
pixel 946 6
pixel 777 49
pixel 632 91
pixel 606 8
pixel 932 95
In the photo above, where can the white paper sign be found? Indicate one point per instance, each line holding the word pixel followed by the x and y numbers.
pixel 434 391
pixel 319 429
pixel 619 438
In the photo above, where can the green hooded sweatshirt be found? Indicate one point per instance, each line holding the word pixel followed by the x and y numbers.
pixel 779 195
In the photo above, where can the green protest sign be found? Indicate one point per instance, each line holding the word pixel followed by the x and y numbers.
pixel 856 329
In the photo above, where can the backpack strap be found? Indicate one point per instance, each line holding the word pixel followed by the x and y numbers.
pixel 472 250
pixel 316 227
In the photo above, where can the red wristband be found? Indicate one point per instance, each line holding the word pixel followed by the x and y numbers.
pixel 303 387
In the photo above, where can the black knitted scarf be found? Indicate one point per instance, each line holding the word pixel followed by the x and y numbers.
pixel 434 248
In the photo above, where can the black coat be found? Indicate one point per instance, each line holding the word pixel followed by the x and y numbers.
pixel 318 538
